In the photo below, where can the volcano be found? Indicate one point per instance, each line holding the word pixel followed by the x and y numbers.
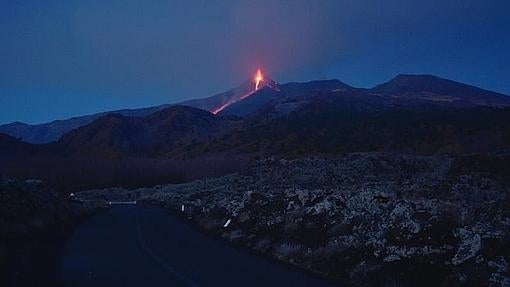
pixel 261 96
pixel 217 103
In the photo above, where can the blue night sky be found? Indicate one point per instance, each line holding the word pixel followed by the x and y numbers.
pixel 61 58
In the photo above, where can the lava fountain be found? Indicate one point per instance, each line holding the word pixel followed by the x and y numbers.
pixel 242 94
pixel 258 78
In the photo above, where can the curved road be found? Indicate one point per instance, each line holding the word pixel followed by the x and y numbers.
pixel 145 246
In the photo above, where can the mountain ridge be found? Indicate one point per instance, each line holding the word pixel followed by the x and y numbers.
pixel 404 89
pixel 434 88
pixel 154 134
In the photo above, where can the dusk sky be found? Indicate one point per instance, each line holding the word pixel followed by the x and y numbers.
pixel 61 58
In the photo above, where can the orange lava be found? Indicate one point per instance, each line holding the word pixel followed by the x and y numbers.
pixel 258 78
pixel 221 108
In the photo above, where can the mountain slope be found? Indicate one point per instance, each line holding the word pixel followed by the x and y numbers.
pixel 285 98
pixel 52 131
pixel 428 87
pixel 216 102
pixel 155 134
pixel 409 91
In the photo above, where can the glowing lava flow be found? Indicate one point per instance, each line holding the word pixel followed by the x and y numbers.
pixel 258 78
pixel 221 108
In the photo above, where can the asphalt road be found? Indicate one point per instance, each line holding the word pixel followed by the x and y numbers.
pixel 144 246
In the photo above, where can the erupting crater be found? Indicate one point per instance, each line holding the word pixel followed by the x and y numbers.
pixel 251 87
pixel 258 78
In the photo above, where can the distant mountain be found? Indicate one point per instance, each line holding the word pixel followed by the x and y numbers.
pixel 435 89
pixel 409 91
pixel 337 129
pixel 52 131
pixel 155 134
pixel 272 100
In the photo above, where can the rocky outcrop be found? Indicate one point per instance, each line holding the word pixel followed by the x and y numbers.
pixel 367 219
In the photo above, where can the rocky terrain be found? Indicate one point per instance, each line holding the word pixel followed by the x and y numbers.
pixel 369 219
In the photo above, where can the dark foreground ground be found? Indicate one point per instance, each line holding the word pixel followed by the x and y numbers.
pixel 34 224
pixel 145 246
pixel 363 219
